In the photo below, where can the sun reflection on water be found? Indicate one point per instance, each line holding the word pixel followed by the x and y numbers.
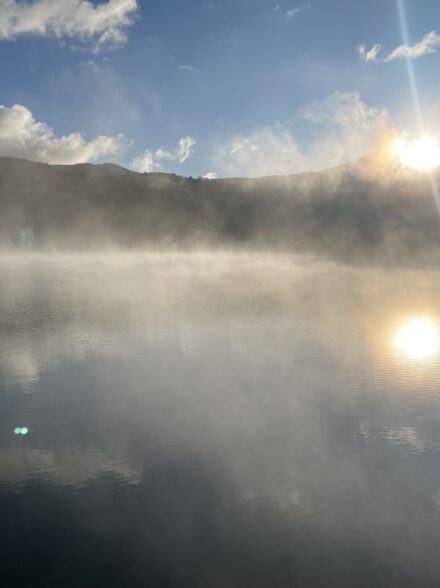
pixel 417 338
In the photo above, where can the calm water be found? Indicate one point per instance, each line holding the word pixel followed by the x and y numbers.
pixel 218 421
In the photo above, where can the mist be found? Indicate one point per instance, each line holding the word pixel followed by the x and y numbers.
pixel 219 294
pixel 356 213
pixel 211 379
pixel 216 402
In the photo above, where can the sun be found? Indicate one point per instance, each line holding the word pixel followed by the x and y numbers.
pixel 418 338
pixel 421 154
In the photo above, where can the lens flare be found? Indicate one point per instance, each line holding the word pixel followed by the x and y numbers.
pixel 422 154
pixel 417 338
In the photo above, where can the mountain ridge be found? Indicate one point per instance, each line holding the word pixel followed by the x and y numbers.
pixel 340 212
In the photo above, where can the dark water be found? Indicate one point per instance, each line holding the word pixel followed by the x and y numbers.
pixel 217 421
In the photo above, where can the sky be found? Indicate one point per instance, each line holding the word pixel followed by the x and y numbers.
pixel 215 88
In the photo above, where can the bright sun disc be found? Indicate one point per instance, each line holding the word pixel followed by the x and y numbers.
pixel 421 154
pixel 418 338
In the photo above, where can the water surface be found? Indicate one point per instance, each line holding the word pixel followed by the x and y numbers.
pixel 218 420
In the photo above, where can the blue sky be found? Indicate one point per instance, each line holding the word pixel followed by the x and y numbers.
pixel 230 87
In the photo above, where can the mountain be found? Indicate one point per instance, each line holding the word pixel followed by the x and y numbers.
pixel 343 212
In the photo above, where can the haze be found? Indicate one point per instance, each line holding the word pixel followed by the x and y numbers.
pixel 219 285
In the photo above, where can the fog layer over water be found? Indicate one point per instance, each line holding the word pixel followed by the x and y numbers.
pixel 369 211
pixel 218 420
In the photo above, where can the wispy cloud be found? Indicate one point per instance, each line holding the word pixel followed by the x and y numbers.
pixel 151 160
pixel 101 24
pixel 427 45
pixel 146 162
pixel 188 68
pixel 292 12
pixel 22 136
pixel 342 128
pixel 371 54
pixel 185 148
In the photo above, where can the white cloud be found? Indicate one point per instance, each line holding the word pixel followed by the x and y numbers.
pixel 188 68
pixel 22 136
pixel 340 128
pixel 427 45
pixel 210 176
pixel 371 54
pixel 185 148
pixel 102 24
pixel 145 162
pixel 265 151
pixel 162 153
pixel 340 110
pixel 292 12
pixel 150 160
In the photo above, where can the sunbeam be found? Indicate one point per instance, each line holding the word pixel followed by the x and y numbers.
pixel 415 96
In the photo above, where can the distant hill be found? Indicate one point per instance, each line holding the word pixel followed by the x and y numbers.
pixel 339 212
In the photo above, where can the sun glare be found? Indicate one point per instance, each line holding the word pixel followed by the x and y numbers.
pixel 418 338
pixel 422 154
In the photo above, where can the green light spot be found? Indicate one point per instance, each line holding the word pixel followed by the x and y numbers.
pixel 17 430
pixel 24 430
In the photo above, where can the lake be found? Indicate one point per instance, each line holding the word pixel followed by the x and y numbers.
pixel 218 420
